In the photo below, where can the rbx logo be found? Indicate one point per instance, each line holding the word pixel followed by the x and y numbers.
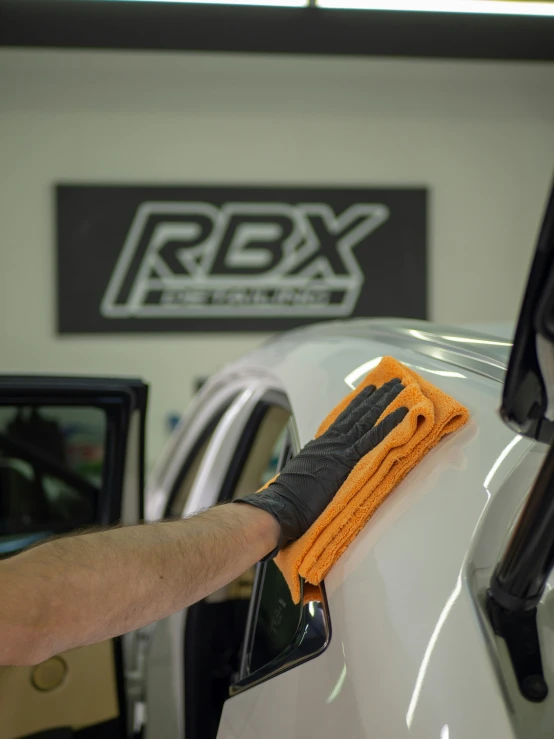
pixel 197 259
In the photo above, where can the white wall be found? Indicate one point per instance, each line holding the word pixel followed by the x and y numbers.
pixel 480 136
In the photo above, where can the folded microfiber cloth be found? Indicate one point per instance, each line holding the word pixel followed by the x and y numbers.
pixel 431 415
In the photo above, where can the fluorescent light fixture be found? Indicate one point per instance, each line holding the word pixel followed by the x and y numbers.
pixel 273 3
pixel 486 7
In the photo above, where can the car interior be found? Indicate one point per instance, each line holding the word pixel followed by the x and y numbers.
pixel 51 468
pixel 50 471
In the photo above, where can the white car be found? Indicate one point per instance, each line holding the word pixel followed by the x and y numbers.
pixel 438 620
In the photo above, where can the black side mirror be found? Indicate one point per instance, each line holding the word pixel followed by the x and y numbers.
pixel 526 394
pixel 528 408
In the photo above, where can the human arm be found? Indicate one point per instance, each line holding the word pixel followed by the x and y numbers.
pixel 83 589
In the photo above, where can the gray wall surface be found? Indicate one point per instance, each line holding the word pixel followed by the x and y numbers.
pixel 479 135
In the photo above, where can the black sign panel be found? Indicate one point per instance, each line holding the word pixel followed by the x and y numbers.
pixel 236 258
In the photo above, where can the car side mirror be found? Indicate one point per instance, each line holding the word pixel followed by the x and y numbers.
pixel 527 407
pixel 528 397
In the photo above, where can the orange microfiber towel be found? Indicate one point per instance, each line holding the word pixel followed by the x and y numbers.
pixel 431 415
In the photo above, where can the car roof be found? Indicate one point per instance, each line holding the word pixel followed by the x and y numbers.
pixel 318 365
pixel 463 347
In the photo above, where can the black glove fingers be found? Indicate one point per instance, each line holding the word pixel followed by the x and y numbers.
pixel 309 481
pixel 386 388
pixel 380 396
pixel 376 435
pixel 352 411
pixel 362 404
pixel 369 420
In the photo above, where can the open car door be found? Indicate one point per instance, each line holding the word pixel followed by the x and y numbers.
pixel 71 457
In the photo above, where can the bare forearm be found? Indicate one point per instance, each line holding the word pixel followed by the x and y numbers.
pixel 83 589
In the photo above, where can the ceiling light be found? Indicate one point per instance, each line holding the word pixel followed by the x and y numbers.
pixel 274 3
pixel 486 7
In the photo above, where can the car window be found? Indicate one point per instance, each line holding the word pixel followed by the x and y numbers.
pixel 262 455
pixel 277 616
pixel 185 480
pixel 51 471
pixel 277 619
pixel 280 633
pixel 258 463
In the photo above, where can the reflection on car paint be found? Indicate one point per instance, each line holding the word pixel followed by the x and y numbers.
pixel 429 650
pixel 501 457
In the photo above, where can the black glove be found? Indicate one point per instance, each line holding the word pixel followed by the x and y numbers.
pixel 311 480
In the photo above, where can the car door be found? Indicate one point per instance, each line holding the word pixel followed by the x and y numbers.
pixel 227 445
pixel 71 457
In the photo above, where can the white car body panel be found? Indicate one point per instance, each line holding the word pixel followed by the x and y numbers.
pixel 411 654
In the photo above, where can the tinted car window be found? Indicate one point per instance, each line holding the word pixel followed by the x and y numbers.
pixel 185 480
pixel 51 467
pixel 262 452
pixel 187 477
pixel 280 633
pixel 277 619
pixel 276 616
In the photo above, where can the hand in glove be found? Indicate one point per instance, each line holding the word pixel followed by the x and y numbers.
pixel 309 482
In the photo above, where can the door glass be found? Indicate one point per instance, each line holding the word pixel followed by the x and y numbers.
pixel 51 469
pixel 277 621
pixel 260 466
pixel 277 616
pixel 183 486
pixel 261 463
pixel 185 479
pixel 279 632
